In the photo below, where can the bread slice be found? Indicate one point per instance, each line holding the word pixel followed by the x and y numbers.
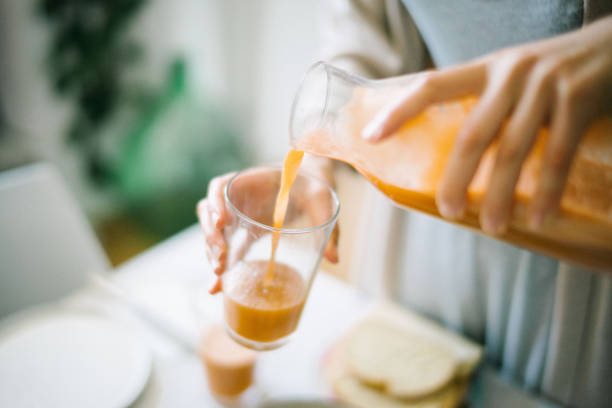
pixel 350 389
pixel 466 353
pixel 347 386
pixel 403 365
pixel 361 396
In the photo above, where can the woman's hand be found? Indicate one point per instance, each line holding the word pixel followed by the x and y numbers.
pixel 565 81
pixel 213 215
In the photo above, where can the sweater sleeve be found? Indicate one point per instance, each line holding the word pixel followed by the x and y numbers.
pixel 374 38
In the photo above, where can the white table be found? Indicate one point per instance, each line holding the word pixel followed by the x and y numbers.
pixel 171 280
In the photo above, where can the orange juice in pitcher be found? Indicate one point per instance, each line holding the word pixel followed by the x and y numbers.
pixel 332 107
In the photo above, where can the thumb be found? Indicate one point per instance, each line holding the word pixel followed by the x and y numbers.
pixel 331 250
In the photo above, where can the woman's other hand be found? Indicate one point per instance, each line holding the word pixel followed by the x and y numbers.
pixel 213 215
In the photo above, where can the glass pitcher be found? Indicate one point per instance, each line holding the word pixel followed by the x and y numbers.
pixel 332 107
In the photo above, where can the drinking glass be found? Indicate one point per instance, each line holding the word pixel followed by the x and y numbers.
pixel 261 308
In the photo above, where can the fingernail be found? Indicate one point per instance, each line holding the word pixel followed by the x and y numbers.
pixel 332 255
pixel 215 219
pixel 373 130
pixel 493 226
pixel 535 221
pixel 450 211
pixel 538 219
pixel 216 286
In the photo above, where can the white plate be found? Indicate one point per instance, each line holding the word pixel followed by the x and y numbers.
pixel 71 361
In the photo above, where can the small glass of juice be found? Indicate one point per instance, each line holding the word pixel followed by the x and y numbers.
pixel 269 269
pixel 229 366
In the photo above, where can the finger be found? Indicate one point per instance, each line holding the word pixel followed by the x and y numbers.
pixel 331 250
pixel 579 96
pixel 216 199
pixel 575 108
pixel 216 245
pixel 317 204
pixel 473 139
pixel 214 237
pixel 427 89
pixel 242 247
pixel 216 287
pixel 558 154
pixel 516 142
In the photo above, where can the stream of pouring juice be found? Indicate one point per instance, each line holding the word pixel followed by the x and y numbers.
pixel 264 299
pixel 290 170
